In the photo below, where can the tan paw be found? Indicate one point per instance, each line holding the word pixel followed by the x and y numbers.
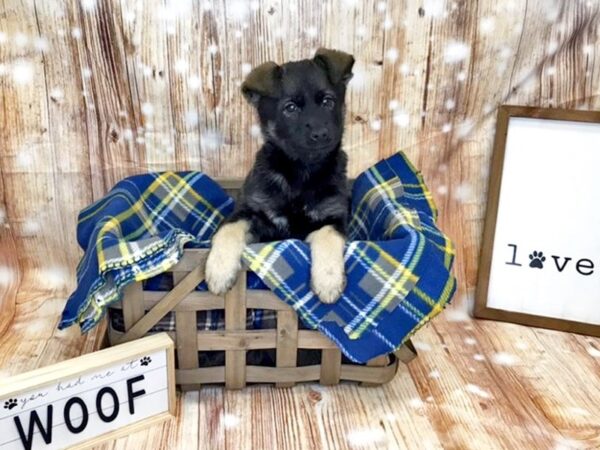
pixel 221 271
pixel 328 279
pixel 224 259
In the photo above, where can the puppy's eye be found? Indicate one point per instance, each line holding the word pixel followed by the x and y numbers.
pixel 328 102
pixel 290 108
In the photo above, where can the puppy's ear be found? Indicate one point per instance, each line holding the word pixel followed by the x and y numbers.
pixel 337 64
pixel 263 81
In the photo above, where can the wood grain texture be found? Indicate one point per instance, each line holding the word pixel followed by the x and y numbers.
pixel 90 95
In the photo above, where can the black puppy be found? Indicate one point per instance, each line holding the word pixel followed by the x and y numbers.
pixel 297 187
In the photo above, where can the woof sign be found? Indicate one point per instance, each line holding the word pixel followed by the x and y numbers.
pixel 89 399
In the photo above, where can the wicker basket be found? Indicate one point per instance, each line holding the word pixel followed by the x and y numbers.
pixel 143 309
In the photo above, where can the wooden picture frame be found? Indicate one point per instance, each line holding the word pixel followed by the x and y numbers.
pixel 103 395
pixel 482 309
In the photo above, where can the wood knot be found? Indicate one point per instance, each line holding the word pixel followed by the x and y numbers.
pixel 271 10
pixel 314 396
pixel 421 12
pixel 114 134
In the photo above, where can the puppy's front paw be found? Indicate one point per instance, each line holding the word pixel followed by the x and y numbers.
pixel 327 280
pixel 224 259
pixel 221 271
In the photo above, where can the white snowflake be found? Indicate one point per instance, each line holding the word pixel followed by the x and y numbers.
pixel 7 276
pixel 213 49
pixel 54 277
pixel 588 49
pixel 238 10
pixel 434 8
pixel 450 104
pixel 552 10
pixel 521 345
pixel 465 128
pixel 476 390
pixel 504 359
pixel 393 104
pixel 442 190
pixel 86 72
pixel 381 6
pixel 416 403
pixel 311 32
pixel 420 345
pixel 2 215
pixel 402 119
pixel 57 94
pixel 129 16
pixel 255 130
pixel 551 47
pixel 551 71
pixel 456 51
pixel 387 23
pixel 392 54
pixel 464 193
pixel 361 31
pixel 375 124
pixel 478 357
pixel 147 109
pixel 41 44
pixel 446 128
pixel 212 139
pixel 22 72
pixel 366 436
pixel 21 40
pixel 31 227
pixel 487 25
pixel 593 352
pixel 470 341
pixel 434 374
pixel 76 33
pixel 230 420
pixel 127 134
pixel 460 309
pixel 462 76
pixel 246 68
pixel 194 82
pixel 181 65
pixel 88 5
pixel 192 118
pixel 3 37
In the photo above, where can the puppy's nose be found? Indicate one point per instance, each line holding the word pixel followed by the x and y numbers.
pixel 320 135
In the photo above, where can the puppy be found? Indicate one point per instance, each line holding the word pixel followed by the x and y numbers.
pixel 297 187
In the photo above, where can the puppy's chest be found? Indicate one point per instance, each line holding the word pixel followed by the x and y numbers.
pixel 295 217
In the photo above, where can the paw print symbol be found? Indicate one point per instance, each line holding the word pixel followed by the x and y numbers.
pixel 146 360
pixel 10 403
pixel 537 260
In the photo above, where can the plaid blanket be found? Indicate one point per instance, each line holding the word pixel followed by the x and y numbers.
pixel 398 263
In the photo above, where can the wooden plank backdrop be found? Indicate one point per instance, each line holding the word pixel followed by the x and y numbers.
pixel 92 91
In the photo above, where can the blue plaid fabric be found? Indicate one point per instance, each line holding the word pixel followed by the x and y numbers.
pixel 398 263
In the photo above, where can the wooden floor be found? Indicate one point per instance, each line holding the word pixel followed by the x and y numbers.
pixel 475 385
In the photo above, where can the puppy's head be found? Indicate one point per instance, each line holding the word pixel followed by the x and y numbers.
pixel 301 104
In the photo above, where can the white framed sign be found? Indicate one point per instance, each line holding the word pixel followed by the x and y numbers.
pixel 86 400
pixel 540 260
